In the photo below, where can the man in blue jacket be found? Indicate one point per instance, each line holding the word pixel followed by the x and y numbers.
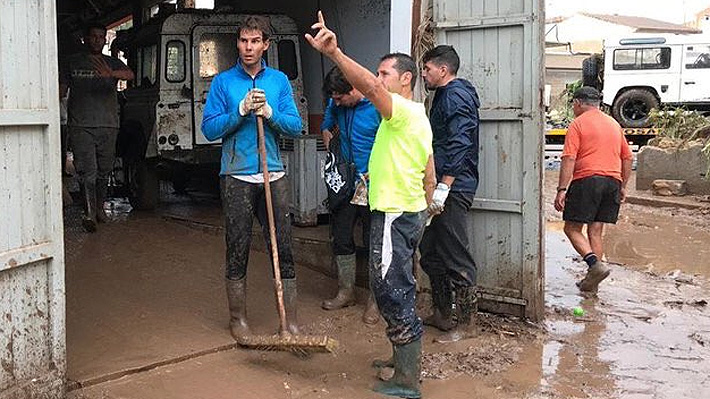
pixel 357 121
pixel 446 248
pixel 236 97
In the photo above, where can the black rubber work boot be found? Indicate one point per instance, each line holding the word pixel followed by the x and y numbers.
pixel 346 283
pixel 290 296
pixel 595 275
pixel 442 301
pixel 237 299
pixel 466 310
pixel 101 193
pixel 88 221
pixel 407 371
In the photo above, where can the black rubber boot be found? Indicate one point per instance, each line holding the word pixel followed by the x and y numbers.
pixel 290 296
pixel 442 299
pixel 346 283
pixel 407 371
pixel 88 221
pixel 466 310
pixel 237 299
pixel 101 194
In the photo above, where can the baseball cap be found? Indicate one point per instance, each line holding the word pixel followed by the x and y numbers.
pixel 587 93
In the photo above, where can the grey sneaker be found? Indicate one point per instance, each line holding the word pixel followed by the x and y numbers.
pixel 595 275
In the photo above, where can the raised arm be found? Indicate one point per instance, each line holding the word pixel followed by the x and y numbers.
pixel 359 77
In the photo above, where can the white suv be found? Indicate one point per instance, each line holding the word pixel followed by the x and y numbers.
pixel 641 72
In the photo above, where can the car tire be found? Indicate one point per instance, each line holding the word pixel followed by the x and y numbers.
pixel 632 108
pixel 590 72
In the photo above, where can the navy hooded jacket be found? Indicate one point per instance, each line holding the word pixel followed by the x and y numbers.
pixel 454 123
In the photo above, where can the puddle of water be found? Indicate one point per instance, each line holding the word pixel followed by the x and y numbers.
pixel 630 343
pixel 655 241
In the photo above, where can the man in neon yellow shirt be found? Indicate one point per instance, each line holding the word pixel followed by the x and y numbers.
pixel 402 182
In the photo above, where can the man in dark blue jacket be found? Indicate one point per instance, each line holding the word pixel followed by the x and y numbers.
pixel 446 248
pixel 236 97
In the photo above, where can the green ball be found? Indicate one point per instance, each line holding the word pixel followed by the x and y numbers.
pixel 578 311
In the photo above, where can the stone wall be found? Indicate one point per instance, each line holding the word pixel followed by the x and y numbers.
pixel 687 163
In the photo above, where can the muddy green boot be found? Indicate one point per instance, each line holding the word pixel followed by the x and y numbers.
pixel 237 300
pixel 442 301
pixel 346 284
pixel 466 310
pixel 407 371
pixel 290 296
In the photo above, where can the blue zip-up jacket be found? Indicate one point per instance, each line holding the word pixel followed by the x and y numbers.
pixel 454 123
pixel 221 119
pixel 358 125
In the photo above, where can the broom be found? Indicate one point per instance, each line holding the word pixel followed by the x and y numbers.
pixel 283 341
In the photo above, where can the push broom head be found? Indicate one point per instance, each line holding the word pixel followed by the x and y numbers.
pixel 301 345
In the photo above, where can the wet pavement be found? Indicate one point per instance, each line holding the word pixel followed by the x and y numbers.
pixel 147 318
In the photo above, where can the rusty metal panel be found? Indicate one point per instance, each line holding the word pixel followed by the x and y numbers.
pixel 32 324
pixel 500 43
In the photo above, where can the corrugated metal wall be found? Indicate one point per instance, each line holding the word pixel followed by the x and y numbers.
pixel 500 43
pixel 32 327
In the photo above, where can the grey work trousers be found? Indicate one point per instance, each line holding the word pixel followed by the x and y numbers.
pixel 94 150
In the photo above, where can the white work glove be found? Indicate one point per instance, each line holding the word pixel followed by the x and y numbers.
pixel 439 198
pixel 264 111
pixel 254 99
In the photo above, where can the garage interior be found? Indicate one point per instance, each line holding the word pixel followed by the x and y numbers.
pixel 150 292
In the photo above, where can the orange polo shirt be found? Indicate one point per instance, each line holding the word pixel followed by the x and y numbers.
pixel 597 144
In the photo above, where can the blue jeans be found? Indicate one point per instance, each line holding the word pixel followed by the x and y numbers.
pixel 393 240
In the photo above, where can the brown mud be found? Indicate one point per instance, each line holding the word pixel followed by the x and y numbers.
pixel 149 291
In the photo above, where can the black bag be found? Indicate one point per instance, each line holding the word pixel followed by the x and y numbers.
pixel 339 176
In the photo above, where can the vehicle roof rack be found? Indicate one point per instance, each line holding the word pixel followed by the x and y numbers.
pixel 643 40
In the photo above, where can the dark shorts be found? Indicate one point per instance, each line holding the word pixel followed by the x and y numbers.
pixel 593 199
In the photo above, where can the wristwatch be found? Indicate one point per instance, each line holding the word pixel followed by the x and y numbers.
pixel 561 189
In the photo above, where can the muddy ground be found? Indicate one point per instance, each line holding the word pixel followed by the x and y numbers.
pixel 147 318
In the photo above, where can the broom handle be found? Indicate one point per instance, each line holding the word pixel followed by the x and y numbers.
pixel 278 284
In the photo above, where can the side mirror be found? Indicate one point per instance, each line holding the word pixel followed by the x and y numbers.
pixel 186 92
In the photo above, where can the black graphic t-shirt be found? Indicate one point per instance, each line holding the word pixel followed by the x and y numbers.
pixel 92 99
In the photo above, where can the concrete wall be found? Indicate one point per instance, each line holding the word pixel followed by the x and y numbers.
pixel 686 164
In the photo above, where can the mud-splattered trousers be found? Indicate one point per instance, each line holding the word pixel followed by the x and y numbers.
pixel 446 245
pixel 393 240
pixel 94 150
pixel 240 202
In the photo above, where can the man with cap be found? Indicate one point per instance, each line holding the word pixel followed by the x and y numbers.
pixel 596 165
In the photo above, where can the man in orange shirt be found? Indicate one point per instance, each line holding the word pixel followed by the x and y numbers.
pixel 596 165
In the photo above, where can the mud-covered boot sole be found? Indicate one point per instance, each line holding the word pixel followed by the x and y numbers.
pixel 591 281
pixel 342 300
pixel 437 321
pixel 393 389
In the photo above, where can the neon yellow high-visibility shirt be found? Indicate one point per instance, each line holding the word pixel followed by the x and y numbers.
pixel 398 159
